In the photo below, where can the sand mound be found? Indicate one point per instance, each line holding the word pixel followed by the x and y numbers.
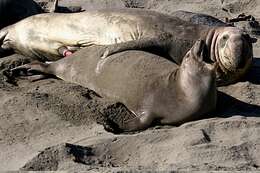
pixel 213 144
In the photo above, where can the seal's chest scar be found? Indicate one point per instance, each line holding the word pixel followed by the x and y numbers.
pixel 101 63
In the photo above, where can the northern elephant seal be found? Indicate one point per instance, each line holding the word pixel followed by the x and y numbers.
pixel 12 11
pixel 246 23
pixel 153 88
pixel 199 18
pixel 42 36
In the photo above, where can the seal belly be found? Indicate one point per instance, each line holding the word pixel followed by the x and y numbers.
pixel 96 29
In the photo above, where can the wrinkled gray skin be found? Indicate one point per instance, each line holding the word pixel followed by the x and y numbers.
pixel 41 37
pixel 152 87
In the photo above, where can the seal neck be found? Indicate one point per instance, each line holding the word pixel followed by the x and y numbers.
pixel 185 82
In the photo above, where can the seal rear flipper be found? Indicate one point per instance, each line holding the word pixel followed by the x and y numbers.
pixel 4 50
pixel 31 69
pixel 35 78
pixel 3 34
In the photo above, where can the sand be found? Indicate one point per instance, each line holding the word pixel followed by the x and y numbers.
pixel 53 125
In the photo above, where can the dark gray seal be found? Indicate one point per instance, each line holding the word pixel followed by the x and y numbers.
pixel 12 11
pixel 199 18
pixel 43 36
pixel 152 87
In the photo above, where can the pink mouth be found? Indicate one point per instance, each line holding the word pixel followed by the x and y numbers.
pixel 67 53
pixel 64 51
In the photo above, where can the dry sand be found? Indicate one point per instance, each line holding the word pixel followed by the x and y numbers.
pixel 51 124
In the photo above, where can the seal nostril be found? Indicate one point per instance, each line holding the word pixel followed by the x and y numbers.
pixel 223 41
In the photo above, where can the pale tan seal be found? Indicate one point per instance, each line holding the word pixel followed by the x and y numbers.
pixel 152 87
pixel 43 36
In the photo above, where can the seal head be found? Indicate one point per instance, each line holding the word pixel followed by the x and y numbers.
pixel 233 51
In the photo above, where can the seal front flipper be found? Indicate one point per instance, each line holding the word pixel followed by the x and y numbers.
pixel 158 45
pixel 140 122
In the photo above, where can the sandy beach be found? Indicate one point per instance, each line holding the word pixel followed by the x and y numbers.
pixel 53 125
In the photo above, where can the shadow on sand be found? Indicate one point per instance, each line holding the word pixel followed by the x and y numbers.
pixel 228 106
pixel 253 75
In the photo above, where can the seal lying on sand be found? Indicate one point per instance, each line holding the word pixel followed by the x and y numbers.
pixel 153 88
pixel 198 18
pixel 12 11
pixel 43 36
pixel 246 23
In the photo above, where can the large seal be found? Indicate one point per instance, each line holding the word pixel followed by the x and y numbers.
pixel 43 36
pixel 152 87
pixel 12 11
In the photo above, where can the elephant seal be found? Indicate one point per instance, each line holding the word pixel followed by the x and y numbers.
pixel 246 23
pixel 198 18
pixel 12 11
pixel 43 36
pixel 153 88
